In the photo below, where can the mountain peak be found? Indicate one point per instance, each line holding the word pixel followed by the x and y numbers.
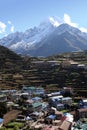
pixel 67 28
pixel 54 21
pixel 50 22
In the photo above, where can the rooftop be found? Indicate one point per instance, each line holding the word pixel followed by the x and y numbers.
pixel 36 104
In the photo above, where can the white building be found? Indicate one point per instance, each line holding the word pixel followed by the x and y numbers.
pixel 67 100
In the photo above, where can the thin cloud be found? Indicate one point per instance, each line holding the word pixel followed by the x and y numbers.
pixel 11 26
pixel 67 20
pixel 54 21
pixel 12 29
pixel 2 27
pixel 9 22
pixel 83 29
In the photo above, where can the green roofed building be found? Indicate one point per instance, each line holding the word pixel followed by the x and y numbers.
pixel 37 106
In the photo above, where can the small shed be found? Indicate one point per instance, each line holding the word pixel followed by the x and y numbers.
pixel 60 106
pixel 81 113
pixel 58 115
pixel 66 125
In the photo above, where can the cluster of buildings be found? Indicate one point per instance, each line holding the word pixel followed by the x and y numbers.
pixel 66 63
pixel 45 111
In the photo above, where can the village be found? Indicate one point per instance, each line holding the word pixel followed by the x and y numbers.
pixel 50 94
pixel 33 109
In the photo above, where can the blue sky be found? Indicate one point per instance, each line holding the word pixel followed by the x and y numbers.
pixel 19 15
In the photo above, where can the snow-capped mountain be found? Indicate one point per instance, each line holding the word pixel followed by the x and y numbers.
pixel 29 37
pixel 48 38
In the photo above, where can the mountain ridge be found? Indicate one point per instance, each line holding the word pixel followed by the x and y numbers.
pixel 46 39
